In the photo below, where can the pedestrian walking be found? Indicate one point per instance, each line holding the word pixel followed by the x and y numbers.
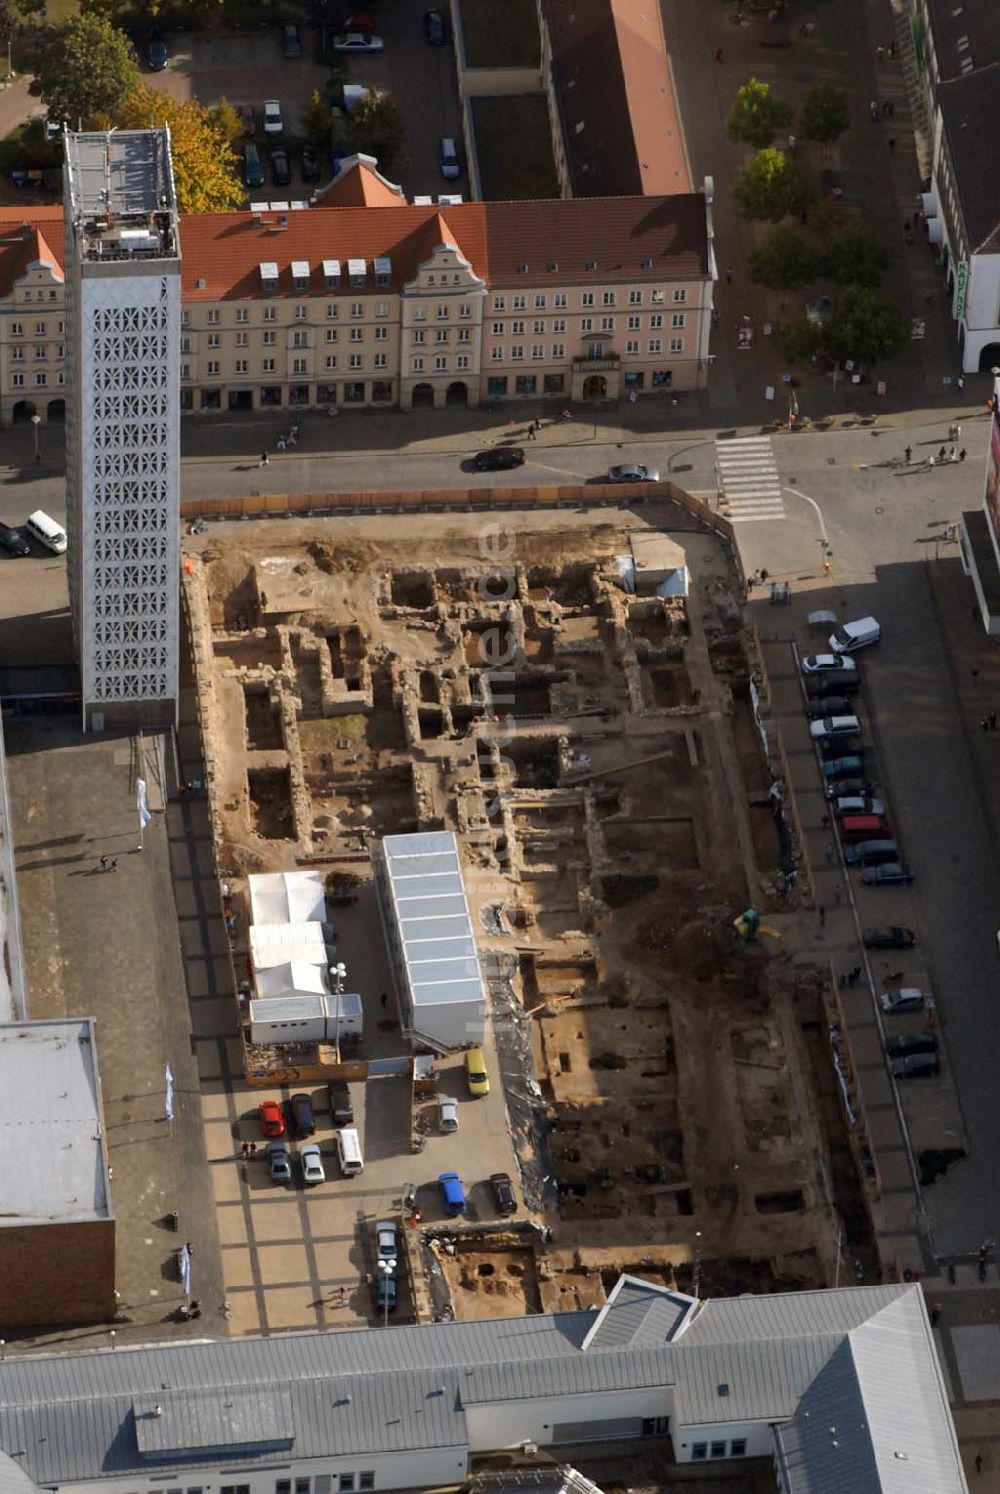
pixel 892 108
pixel 958 432
pixel 961 455
pixel 908 454
pixel 822 916
pixel 880 54
pixel 836 895
pixel 384 999
pixel 189 1247
pixel 941 454
pixel 931 461
pixel 281 443
pixel 960 381
pixel 975 615
pixel 718 54
pixel 984 723
pixel 113 866
pixel 885 108
pixel 892 51
pixel 993 721
pixel 828 852
pixel 104 863
pixel 979 1462
pixel 935 1314
pixel 245 1149
pixel 253 1148
pixel 892 146
pixel 729 277
pixel 265 460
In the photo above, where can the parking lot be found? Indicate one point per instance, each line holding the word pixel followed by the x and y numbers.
pixel 246 68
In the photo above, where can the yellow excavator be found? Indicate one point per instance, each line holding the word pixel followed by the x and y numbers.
pixel 748 926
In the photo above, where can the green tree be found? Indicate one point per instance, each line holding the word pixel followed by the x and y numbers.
pixel 825 113
pixel 770 187
pixel 865 326
pixel 855 257
pixel 784 259
pixel 10 21
pixel 85 67
pixel 756 114
pixel 317 120
pixel 376 127
pixel 204 163
pixel 799 339
pixel 225 119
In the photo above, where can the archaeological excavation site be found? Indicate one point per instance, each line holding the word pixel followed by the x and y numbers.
pixel 571 695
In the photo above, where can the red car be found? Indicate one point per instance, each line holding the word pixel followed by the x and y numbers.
pixel 272 1122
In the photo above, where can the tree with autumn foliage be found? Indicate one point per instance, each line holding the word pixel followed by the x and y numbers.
pixel 200 145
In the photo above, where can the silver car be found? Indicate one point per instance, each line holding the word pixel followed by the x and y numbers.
pixel 280 1159
pixel 312 1164
pixel 903 999
pixel 448 1113
pixel 632 472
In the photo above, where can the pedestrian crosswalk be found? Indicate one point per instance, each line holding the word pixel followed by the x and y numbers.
pixel 748 480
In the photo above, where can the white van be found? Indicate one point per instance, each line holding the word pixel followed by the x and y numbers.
pixel 46 531
pixel 854 635
pixel 349 1152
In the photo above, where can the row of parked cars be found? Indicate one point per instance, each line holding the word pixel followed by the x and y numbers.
pixel 832 682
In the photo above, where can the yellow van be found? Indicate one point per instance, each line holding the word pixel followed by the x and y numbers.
pixel 475 1072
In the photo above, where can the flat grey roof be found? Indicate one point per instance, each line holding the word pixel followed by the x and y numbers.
pixel 121 172
pixel 53 1167
pixel 432 916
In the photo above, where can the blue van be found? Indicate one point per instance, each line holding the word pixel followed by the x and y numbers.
pixel 452 1193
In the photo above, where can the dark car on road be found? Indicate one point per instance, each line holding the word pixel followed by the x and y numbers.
pixel 280 173
pixel 341 1108
pixel 310 164
pixel 157 55
pixel 910 1042
pixel 13 541
pixel 892 937
pixel 632 472
pixel 836 682
pixel 915 1066
pixel 498 459
pixel 834 748
pixel 291 39
pixel 435 28
pixel 503 1193
pixel 892 874
pixel 828 705
pixel 302 1115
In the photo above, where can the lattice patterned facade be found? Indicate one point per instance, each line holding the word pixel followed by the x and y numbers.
pixel 123 486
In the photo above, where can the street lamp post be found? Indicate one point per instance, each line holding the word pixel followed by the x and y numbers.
pixel 339 973
pixel 387 1265
pixel 36 421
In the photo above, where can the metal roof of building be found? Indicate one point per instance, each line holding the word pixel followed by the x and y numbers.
pixel 52 1154
pixel 119 173
pixel 427 891
pixel 862 1358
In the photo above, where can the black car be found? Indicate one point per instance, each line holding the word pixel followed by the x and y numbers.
pixel 849 744
pixel 341 1108
pixel 832 682
pixel 291 39
pixel 894 874
pixel 13 541
pixel 302 1115
pixel 498 459
pixel 844 786
pixel 280 173
pixel 435 28
pixel 157 55
pixel 310 164
pixel 892 937
pixel 828 705
pixel 503 1193
pixel 915 1066
pixel 910 1042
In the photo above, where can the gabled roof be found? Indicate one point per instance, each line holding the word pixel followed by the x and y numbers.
pixel 966 35
pixel 969 110
pixel 359 183
pixel 25 245
pixel 595 241
pixel 638 1314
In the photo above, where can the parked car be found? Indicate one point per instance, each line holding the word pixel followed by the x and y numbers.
pixel 855 828
pixel 273 122
pixel 14 541
pixel 341 1108
pixel 435 28
pixel 157 55
pixel 476 1076
pixel 302 1115
pixel 253 171
pixel 910 1042
pixel 358 41
pixel 915 1066
pixel 448 1113
pixel 890 937
pixel 834 682
pixel 828 705
pixel 834 726
pixel 846 786
pixel 854 635
pixel 310 164
pixel 386 1242
pixel 248 119
pixel 449 161
pixel 884 852
pixel 852 766
pixel 498 459
pixel 821 663
pixel 312 1164
pixel 280 174
pixel 850 804
pixel 291 41
pixel 272 1122
pixel 902 999
pixel 836 747
pixel 503 1193
pixel 280 1160
pixel 892 874
pixel 632 472
pixel 358 20
pixel 452 1194
pixel 386 1292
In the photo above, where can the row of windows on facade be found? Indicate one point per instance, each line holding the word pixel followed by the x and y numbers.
pixel 737 1448
pixel 323 1483
pixel 440 364
pixel 381 391
pixel 131 687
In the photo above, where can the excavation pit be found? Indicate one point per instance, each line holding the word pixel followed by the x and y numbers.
pixel 413 589
pixel 270 795
pixel 263 724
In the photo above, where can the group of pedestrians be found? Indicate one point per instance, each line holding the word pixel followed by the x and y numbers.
pixel 248 1149
pixel 988 723
pixel 283 442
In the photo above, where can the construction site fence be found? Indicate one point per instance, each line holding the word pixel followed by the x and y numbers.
pixel 463 500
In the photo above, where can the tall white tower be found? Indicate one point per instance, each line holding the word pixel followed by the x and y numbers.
pixel 123 267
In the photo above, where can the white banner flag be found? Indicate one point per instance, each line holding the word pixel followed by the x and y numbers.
pixel 186 1270
pixel 141 805
pixel 169 1105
